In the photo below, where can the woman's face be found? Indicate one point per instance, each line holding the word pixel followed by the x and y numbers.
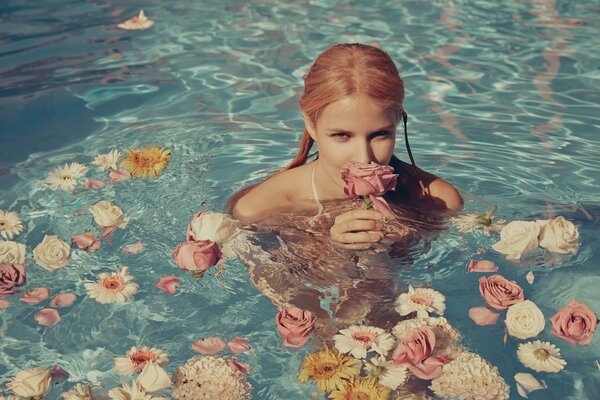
pixel 354 129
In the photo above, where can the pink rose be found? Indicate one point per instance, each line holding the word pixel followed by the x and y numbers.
pixel 575 323
pixel 198 255
pixel 11 276
pixel 500 293
pixel 295 325
pixel 368 179
pixel 416 350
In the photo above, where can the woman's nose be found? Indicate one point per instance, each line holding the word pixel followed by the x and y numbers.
pixel 364 153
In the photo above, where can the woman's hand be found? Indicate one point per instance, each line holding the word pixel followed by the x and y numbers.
pixel 357 228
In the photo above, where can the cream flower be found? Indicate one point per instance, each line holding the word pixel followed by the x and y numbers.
pixel 421 300
pixel 526 383
pixel 137 358
pixel 66 177
pixel 517 238
pixel 130 392
pixel 358 339
pixel 524 320
pixel 154 378
pixel 108 160
pixel 540 356
pixel 10 224
pixel 79 392
pixel 52 253
pixel 216 227
pixel 33 382
pixel 112 288
pixel 559 235
pixel 107 214
pixel 12 252
pixel 138 22
pixel 389 374
pixel 469 222
pixel 470 377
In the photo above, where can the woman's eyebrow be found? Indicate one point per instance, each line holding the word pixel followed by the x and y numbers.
pixel 387 127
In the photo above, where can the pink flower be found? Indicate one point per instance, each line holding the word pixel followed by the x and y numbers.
pixel 500 293
pixel 481 266
pixel 47 317
pixel 11 276
pixel 197 255
pixel 575 323
pixel 85 241
pixel 35 295
pixel 209 346
pixel 238 345
pixel 483 316
pixel 295 325
pixel 416 350
pixel 168 283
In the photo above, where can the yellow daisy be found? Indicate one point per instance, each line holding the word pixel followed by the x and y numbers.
pixel 328 369
pixel 147 161
pixel 361 388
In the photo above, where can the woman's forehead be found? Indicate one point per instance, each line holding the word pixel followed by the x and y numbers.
pixel 355 114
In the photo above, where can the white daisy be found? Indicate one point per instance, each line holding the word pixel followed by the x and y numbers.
pixel 540 356
pixel 130 392
pixel 112 288
pixel 65 177
pixel 389 374
pixel 108 160
pixel 421 300
pixel 469 222
pixel 79 392
pixel 358 339
pixel 10 224
pixel 136 358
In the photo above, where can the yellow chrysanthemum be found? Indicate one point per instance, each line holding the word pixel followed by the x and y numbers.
pixel 147 161
pixel 328 369
pixel 361 388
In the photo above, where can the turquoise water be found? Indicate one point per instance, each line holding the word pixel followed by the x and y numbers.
pixel 503 103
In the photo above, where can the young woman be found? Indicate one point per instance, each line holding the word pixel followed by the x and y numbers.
pixel 352 105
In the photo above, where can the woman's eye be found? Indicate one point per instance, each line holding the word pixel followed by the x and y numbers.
pixel 382 134
pixel 340 135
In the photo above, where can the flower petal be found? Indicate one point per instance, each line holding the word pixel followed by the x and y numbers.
pixel 133 248
pixel 168 283
pixel 526 383
pixel 4 304
pixel 94 184
pixel 120 175
pixel 483 316
pixel 35 295
pixel 238 345
pixel 481 266
pixel 530 277
pixel 63 300
pixel 239 366
pixel 209 346
pixel 47 317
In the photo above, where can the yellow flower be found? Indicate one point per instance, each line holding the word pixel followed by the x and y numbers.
pixel 361 388
pixel 328 369
pixel 147 161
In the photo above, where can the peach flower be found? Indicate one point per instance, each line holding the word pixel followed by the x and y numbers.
pixel 371 180
pixel 575 323
pixel 295 325
pixel 197 256
pixel 416 350
pixel 500 293
pixel 11 276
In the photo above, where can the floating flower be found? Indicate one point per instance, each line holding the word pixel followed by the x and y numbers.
pixel 147 161
pixel 575 323
pixel 197 256
pixel 10 224
pixel 446 337
pixel 66 177
pixel 357 340
pixel 138 22
pixel 11 277
pixel 210 345
pixel 153 378
pixel 168 283
pixel 416 351
pixel 388 374
pixel 35 295
pixel 526 383
pixel 12 252
pixel 85 241
pixel 113 287
pixel 52 253
pixel 108 160
pixel 238 345
pixel 541 356
pixel 210 378
pixel 500 293
pixel 47 317
pixel 133 248
pixel 94 184
pixel 518 238
pixel 295 325
pixel 119 175
pixel 469 222
pixel 559 236
pixel 33 382
pixel 483 316
pixel 108 215
pixel 421 300
pixel 470 377
pixel 328 369
pixel 361 388
pixel 136 359
pixel 524 320
pixel 481 266
pixel 130 392
pixel 63 300
pixel 80 392
pixel 216 227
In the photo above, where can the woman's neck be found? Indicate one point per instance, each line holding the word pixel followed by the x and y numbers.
pixel 327 186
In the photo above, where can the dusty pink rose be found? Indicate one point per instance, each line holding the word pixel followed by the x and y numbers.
pixel 85 241
pixel 35 295
pixel 168 283
pixel 416 349
pixel 500 293
pixel 11 276
pixel 198 255
pixel 575 323
pixel 483 316
pixel 295 325
pixel 481 266
pixel 371 180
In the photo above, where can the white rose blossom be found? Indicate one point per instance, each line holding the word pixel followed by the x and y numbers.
pixel 12 252
pixel 80 392
pixel 524 320
pixel 216 227
pixel 107 214
pixel 518 238
pixel 52 253
pixel 559 235
pixel 154 378
pixel 33 382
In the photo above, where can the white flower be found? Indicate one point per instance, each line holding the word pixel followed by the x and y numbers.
pixel 138 22
pixel 137 358
pixel 130 392
pixel 469 222
pixel 210 378
pixel 10 224
pixel 388 374
pixel 31 382
pixel 358 339
pixel 540 356
pixel 107 214
pixel 112 288
pixel 421 300
pixel 108 160
pixel 559 235
pixel 65 177
pixel 524 320
pixel 216 227
pixel 526 383
pixel 470 377
pixel 79 392
pixel 12 252
pixel 52 253
pixel 154 378
pixel 517 238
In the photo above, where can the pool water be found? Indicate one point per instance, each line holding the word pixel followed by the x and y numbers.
pixel 502 100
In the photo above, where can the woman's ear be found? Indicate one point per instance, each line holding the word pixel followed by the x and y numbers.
pixel 309 127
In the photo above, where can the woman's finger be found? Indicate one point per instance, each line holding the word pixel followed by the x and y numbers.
pixel 360 237
pixel 358 214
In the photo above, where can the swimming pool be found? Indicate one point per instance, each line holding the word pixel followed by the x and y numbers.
pixel 503 102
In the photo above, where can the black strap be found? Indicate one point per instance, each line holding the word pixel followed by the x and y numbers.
pixel 412 160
